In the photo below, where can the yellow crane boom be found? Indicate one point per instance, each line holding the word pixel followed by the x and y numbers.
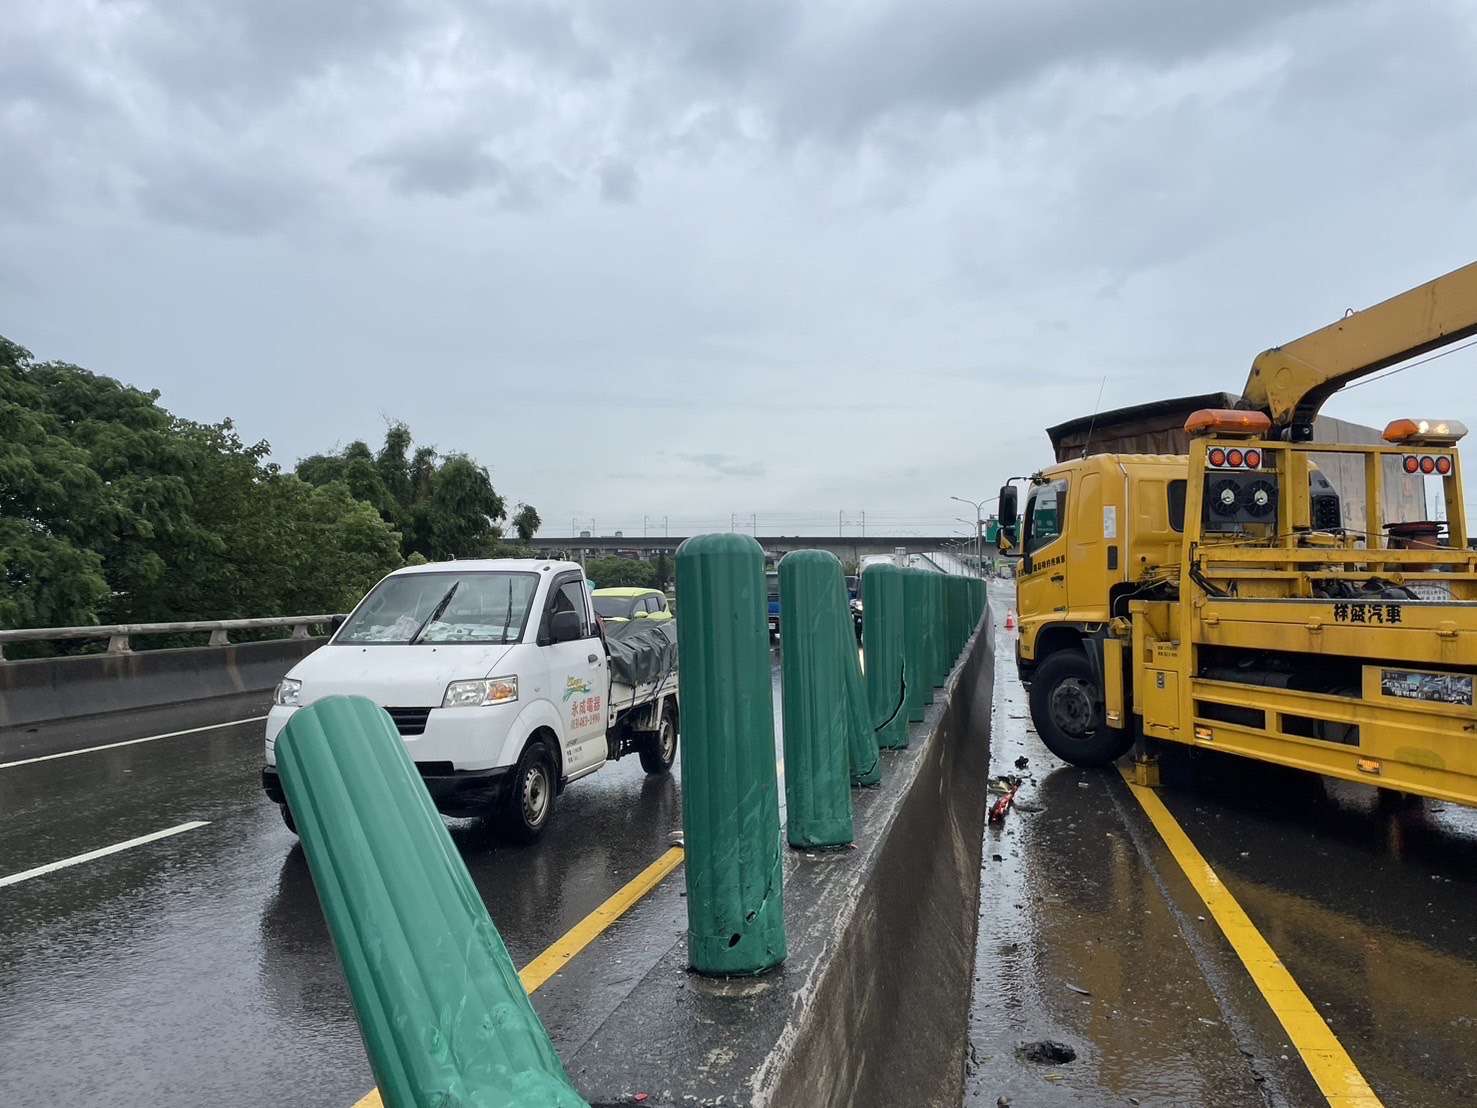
pixel 1291 382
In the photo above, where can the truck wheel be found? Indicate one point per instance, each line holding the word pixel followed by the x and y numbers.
pixel 287 818
pixel 659 751
pixel 530 798
pixel 1067 709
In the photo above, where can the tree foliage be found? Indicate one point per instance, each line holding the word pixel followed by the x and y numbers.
pixel 443 506
pixel 113 510
pixel 526 522
pixel 614 573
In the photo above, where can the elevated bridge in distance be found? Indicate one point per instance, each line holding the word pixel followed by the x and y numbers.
pixel 846 547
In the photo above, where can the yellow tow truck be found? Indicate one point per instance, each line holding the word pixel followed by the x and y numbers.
pixel 1308 603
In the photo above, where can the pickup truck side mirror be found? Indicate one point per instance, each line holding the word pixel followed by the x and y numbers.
pixel 564 627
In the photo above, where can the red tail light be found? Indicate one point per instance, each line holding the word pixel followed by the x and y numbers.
pixel 1443 465
pixel 1428 464
pixel 1412 464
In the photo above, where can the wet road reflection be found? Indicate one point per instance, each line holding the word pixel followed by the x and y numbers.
pixel 1090 934
pixel 1369 901
pixel 199 968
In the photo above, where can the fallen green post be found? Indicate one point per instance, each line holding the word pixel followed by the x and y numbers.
pixel 814 691
pixel 444 1017
pixel 730 794
pixel 883 641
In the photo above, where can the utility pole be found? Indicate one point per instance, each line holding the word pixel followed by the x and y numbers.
pixel 733 521
pixel 754 523
pixel 643 526
pixel 666 531
pixel 864 523
pixel 840 523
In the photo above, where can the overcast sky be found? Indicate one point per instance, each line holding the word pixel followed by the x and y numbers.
pixel 698 257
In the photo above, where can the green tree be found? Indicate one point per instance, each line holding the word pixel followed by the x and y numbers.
pixel 662 571
pixel 526 522
pixel 114 510
pixel 444 506
pixel 614 573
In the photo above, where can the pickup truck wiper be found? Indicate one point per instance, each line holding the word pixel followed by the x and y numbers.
pixel 435 613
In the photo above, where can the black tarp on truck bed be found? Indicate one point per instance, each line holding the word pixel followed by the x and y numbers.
pixel 642 651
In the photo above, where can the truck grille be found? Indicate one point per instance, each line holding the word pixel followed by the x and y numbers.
pixel 410 721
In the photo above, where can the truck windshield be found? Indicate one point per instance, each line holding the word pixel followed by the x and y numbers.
pixel 1044 512
pixel 487 607
pixel 615 607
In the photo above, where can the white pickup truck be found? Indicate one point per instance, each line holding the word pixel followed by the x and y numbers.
pixel 500 681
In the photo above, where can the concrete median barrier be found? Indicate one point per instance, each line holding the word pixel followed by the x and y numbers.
pixel 871 1006
pixel 50 689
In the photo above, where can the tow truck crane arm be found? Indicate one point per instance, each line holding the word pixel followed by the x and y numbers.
pixel 1291 382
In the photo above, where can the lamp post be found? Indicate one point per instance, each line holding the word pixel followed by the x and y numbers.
pixel 979 550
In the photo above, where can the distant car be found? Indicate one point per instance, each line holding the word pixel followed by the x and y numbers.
pixel 624 605
pixel 772 587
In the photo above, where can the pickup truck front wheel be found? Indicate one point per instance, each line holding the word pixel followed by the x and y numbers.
pixel 529 802
pixel 1067 709
pixel 659 751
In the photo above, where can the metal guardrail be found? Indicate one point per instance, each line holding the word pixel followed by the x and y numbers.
pixel 118 634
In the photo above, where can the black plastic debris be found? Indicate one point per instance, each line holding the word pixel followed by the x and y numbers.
pixel 1047 1052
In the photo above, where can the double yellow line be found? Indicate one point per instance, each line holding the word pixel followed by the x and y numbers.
pixel 1334 1072
pixel 581 935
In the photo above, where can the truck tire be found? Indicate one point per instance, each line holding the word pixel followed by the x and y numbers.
pixel 659 750
pixel 1067 709
pixel 529 803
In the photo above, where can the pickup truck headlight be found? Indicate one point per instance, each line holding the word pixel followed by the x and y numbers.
pixel 482 690
pixel 289 692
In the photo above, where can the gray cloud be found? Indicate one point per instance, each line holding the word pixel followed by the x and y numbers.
pixel 724 465
pixel 445 165
pixel 876 245
pixel 618 181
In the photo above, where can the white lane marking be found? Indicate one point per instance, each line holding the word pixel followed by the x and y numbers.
pixel 26 875
pixel 131 742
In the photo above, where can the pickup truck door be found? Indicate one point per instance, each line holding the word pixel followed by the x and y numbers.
pixel 577 678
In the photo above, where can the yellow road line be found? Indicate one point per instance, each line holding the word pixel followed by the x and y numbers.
pixel 581 935
pixel 1329 1064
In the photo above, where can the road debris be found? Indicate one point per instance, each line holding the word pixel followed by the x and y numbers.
pixel 1047 1052
pixel 1022 762
pixel 1078 989
pixel 1004 787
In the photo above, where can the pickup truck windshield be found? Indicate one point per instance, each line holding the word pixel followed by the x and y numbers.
pixel 482 608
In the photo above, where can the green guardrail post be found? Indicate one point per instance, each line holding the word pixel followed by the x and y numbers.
pixel 938 648
pixel 866 756
pixel 814 693
pixel 883 640
pixel 442 1012
pixel 915 643
pixel 953 617
pixel 730 795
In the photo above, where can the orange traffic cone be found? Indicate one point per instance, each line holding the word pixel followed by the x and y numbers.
pixel 1010 619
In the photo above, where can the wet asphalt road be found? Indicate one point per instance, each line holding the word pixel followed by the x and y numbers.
pixel 197 968
pixel 1090 934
